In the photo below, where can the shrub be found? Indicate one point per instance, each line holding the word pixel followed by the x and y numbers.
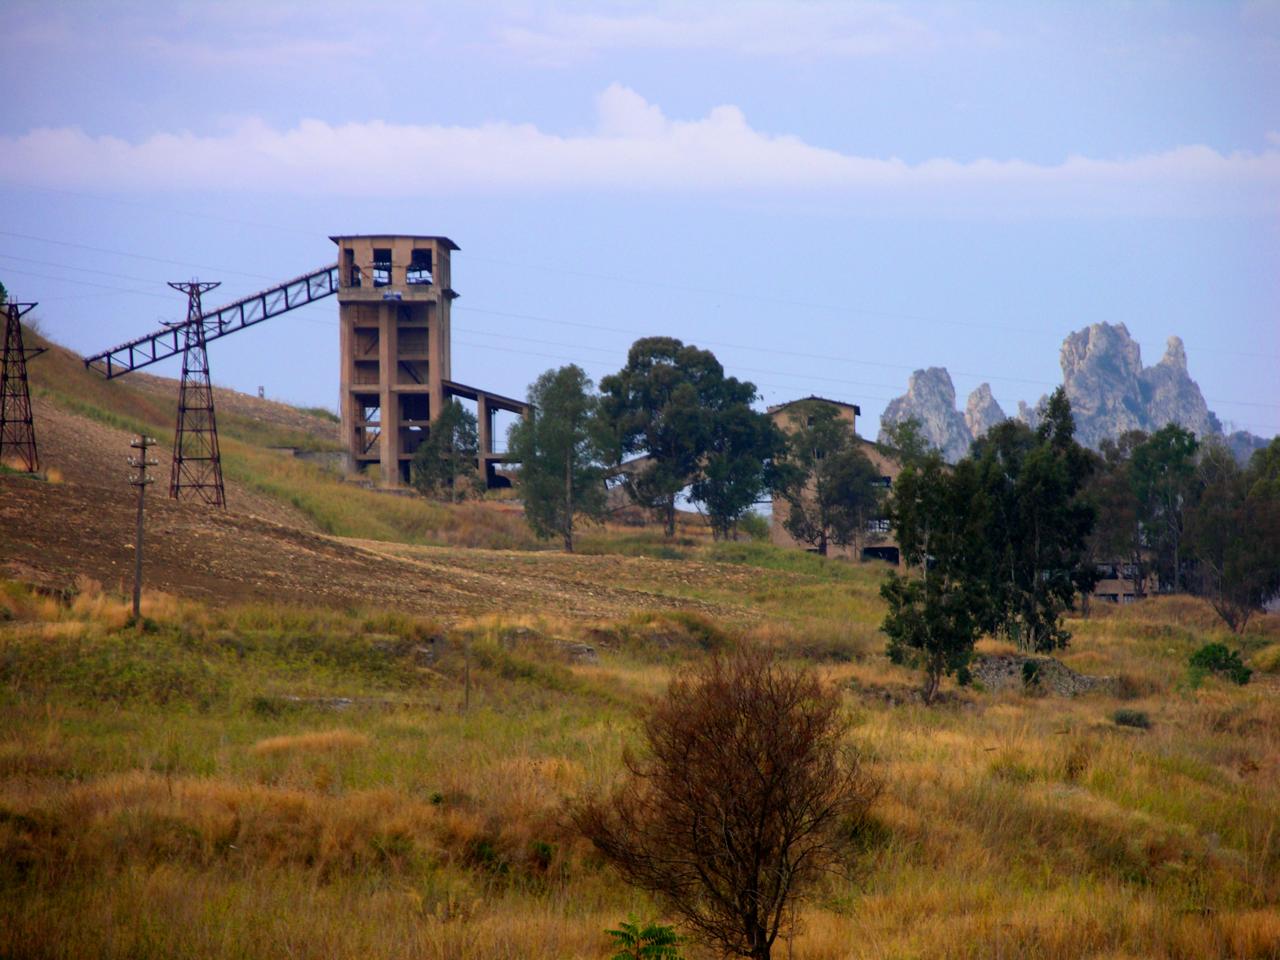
pixel 1216 658
pixel 696 822
pixel 650 941
pixel 1031 674
pixel 1125 717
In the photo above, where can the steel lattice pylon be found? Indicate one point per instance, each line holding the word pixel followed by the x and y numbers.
pixel 197 465
pixel 17 431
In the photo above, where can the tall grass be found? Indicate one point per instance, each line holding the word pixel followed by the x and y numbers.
pixel 266 780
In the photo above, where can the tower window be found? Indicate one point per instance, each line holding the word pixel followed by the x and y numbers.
pixel 419 271
pixel 381 267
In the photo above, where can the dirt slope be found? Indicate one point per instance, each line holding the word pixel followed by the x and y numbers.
pixel 92 454
pixel 260 548
pixel 50 533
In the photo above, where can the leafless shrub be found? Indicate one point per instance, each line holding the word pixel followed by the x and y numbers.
pixel 745 793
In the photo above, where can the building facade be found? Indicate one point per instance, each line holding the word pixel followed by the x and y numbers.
pixel 877 541
pixel 394 299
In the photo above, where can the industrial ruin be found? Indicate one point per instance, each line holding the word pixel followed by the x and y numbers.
pixel 394 298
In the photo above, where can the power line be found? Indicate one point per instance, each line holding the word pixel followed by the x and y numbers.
pixel 134 256
pixel 843 308
pixel 794 353
pixel 614 351
pixel 86 283
pixel 63 266
pixel 509 314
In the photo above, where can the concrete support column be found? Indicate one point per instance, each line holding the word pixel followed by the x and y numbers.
pixel 484 425
pixel 347 411
pixel 435 358
pixel 388 358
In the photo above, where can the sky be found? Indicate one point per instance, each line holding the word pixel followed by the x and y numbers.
pixel 828 195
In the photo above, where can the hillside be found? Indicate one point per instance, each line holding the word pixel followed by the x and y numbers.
pixel 278 761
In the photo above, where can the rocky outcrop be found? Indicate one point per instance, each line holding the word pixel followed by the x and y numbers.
pixel 1032 673
pixel 1171 396
pixel 982 412
pixel 1101 371
pixel 931 399
pixel 1030 415
pixel 1111 393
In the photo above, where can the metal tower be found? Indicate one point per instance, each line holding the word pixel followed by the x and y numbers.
pixel 17 431
pixel 197 466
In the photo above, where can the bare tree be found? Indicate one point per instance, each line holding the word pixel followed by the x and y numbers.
pixel 746 792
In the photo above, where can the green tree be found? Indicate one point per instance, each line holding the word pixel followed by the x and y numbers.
pixel 832 492
pixel 557 446
pixel 741 464
pixel 1163 474
pixel 1032 483
pixel 907 440
pixel 664 404
pixel 1117 531
pixel 918 505
pixel 1232 535
pixel 444 465
pixel 936 611
pixel 1263 475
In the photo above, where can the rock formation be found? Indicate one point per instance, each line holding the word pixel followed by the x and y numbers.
pixel 931 399
pixel 1111 393
pixel 1171 395
pixel 1101 370
pixel 982 412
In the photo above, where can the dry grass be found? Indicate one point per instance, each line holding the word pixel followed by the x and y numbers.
pixel 189 790
pixel 319 741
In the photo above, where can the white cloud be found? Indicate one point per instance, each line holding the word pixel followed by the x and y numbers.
pixel 635 147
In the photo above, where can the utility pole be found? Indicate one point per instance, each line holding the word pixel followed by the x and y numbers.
pixel 140 480
pixel 17 429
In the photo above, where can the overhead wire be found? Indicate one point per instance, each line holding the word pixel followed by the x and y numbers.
pixel 544 319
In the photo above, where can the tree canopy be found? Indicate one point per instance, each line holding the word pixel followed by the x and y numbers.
pixel 444 465
pixel 673 403
pixel 1233 533
pixel 1163 474
pixel 557 445
pixel 833 490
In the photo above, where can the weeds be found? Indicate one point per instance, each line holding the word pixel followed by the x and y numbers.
pixel 265 780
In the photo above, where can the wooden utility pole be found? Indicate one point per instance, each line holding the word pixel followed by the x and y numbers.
pixel 140 480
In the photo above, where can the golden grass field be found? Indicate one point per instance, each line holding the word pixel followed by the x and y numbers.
pixel 255 777
pixel 196 789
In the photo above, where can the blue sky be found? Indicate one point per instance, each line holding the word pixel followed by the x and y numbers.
pixel 827 194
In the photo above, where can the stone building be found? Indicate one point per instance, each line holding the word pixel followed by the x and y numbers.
pixel 394 298
pixel 879 544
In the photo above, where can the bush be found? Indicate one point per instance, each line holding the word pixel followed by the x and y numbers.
pixel 1031 674
pixel 1125 717
pixel 1216 658
pixel 730 850
pixel 650 941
